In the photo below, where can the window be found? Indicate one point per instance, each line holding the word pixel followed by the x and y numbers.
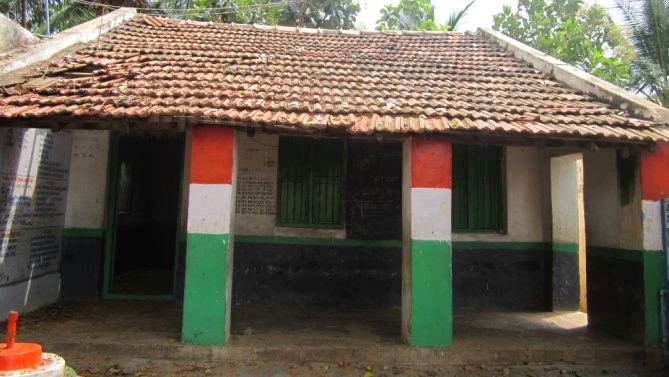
pixel 478 199
pixel 310 192
pixel 627 166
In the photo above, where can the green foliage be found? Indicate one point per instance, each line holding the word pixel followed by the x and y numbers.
pixel 63 14
pixel 648 21
pixel 35 20
pixel 331 14
pixel 416 15
pixel 579 35
pixel 66 14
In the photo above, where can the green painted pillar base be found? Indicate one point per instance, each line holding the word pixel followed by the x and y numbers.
pixel 652 284
pixel 431 294
pixel 205 291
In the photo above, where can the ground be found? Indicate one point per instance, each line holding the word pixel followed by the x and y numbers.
pixel 346 370
pixel 114 338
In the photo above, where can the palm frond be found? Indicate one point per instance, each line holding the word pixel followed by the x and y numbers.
pixel 67 14
pixel 456 17
pixel 648 24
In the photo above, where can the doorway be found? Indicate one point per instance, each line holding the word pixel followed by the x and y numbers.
pixel 142 216
pixel 568 229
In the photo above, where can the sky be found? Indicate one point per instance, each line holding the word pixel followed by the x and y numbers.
pixel 480 14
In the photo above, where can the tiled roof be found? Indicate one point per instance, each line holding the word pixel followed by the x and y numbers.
pixel 362 82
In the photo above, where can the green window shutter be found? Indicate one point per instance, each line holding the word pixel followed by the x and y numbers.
pixel 327 182
pixel 478 201
pixel 294 181
pixel 310 189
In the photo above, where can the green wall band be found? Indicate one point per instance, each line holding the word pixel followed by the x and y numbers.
pixel 565 247
pixel 389 244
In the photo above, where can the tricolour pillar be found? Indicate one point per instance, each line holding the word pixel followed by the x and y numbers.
pixel 654 186
pixel 207 291
pixel 427 313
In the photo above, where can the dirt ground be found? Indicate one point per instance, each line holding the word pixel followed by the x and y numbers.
pixel 342 369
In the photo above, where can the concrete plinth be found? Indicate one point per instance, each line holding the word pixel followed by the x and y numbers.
pixel 150 331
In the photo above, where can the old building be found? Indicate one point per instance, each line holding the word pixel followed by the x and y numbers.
pixel 148 158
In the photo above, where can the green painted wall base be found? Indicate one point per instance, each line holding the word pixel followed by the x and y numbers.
pixel 645 285
pixel 431 294
pixel 205 291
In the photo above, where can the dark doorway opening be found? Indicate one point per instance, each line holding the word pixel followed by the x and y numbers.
pixel 143 218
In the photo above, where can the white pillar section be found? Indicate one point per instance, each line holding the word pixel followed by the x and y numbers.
pixel 34 166
pixel 432 214
pixel 569 279
pixel 87 188
pixel 652 225
pixel 209 208
pixel 566 191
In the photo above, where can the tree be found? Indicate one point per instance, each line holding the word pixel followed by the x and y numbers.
pixel 66 14
pixel 331 14
pixel 14 9
pixel 648 21
pixel 583 36
pixel 416 15
pixel 63 14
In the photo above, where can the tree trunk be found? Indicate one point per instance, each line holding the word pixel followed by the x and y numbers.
pixel 24 13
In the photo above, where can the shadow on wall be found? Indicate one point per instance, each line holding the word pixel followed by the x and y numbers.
pixel 34 166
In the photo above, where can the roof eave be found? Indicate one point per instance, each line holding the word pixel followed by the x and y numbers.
pixel 578 79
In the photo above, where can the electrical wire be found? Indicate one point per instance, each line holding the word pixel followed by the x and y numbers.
pixel 187 11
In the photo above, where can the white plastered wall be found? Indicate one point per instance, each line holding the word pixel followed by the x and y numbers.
pixel 602 206
pixel 607 223
pixel 87 194
pixel 524 222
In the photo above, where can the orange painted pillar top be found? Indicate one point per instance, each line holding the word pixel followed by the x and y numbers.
pixel 655 173
pixel 212 155
pixel 431 163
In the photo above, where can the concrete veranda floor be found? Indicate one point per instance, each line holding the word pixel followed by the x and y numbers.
pixel 119 332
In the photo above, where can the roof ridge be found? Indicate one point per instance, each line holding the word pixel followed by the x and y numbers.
pixel 158 21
